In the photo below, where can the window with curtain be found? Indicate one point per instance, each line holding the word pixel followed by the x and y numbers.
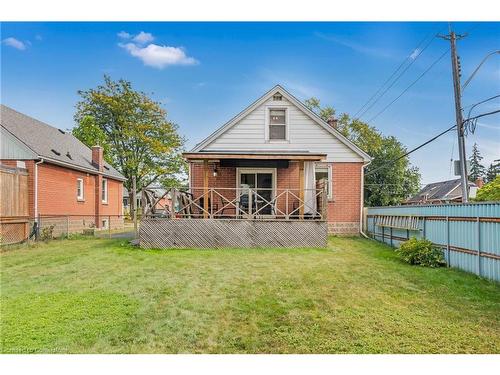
pixel 277 124
pixel 324 173
pixel 79 189
pixel 104 191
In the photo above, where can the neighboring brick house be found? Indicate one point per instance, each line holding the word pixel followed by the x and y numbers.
pixel 65 177
pixel 281 150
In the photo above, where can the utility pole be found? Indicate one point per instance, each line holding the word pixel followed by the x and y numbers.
pixel 455 64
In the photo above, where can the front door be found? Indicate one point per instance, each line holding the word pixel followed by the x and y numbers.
pixel 256 190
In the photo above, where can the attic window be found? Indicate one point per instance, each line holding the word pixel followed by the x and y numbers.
pixel 61 131
pixel 55 152
pixel 69 155
pixel 277 97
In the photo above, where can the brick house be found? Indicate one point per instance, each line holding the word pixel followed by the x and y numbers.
pixel 65 177
pixel 272 160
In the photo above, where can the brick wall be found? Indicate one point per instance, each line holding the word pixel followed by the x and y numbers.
pixel 57 193
pixel 344 209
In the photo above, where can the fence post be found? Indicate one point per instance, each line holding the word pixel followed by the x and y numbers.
pixel 448 239
pixel 38 227
pixel 67 226
pixel 383 234
pixel 423 231
pixel 392 245
pixel 478 246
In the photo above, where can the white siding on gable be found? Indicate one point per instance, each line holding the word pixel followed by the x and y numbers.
pixel 249 134
pixel 11 148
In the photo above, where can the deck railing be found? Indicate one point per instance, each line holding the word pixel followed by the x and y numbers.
pixel 249 203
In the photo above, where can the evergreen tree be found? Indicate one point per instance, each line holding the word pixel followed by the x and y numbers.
pixel 492 172
pixel 476 168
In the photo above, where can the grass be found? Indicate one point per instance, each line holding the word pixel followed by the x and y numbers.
pixel 356 296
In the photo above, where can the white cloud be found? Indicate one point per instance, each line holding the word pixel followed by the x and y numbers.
pixel 38 37
pixel 15 43
pixel 415 54
pixel 143 38
pixel 159 56
pixel 124 35
pixel 358 47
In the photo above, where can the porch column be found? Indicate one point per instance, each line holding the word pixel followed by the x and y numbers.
pixel 301 189
pixel 205 188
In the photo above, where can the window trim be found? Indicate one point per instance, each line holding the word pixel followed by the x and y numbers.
pixel 80 185
pixel 104 183
pixel 330 178
pixel 268 123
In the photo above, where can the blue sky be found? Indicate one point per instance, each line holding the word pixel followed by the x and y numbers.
pixel 205 73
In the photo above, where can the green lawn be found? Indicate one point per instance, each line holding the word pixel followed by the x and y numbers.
pixel 104 296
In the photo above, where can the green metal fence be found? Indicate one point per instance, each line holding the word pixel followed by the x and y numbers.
pixel 469 234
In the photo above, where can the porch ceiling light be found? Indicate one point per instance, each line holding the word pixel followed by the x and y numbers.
pixel 215 170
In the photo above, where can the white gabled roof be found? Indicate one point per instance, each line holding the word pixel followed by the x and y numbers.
pixel 313 116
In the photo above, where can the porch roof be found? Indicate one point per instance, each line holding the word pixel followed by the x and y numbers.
pixel 262 155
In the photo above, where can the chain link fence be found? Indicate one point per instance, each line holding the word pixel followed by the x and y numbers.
pixel 44 227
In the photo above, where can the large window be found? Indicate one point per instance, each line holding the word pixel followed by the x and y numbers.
pixel 324 175
pixel 79 189
pixel 104 191
pixel 277 124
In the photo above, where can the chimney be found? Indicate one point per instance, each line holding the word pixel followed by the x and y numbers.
pixel 479 182
pixel 332 121
pixel 97 157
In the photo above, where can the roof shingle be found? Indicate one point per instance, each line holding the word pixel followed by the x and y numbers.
pixel 51 143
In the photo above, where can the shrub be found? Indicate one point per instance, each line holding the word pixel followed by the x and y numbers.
pixel 421 252
pixel 47 233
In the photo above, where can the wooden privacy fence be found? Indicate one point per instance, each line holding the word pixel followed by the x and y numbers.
pixel 14 214
pixel 469 234
pixel 231 233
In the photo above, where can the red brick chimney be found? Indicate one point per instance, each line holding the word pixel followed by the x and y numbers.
pixel 97 157
pixel 479 182
pixel 332 121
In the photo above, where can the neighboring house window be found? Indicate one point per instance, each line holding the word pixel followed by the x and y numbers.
pixel 324 172
pixel 104 191
pixel 79 189
pixel 277 124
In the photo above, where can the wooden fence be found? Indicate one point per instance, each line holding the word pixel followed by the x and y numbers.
pixel 14 208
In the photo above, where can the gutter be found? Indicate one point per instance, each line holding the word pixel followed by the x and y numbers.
pixel 36 188
pixel 362 205
pixel 83 169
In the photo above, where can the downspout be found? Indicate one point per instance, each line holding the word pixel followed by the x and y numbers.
pixel 362 205
pixel 36 188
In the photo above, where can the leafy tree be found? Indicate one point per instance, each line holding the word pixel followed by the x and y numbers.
pixel 490 191
pixel 134 132
pixel 386 186
pixel 492 172
pixel 476 168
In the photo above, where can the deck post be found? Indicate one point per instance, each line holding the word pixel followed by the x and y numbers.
pixel 205 188
pixel 301 189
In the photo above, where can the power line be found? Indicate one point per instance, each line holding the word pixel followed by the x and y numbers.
pixel 394 73
pixel 429 141
pixel 481 102
pixel 397 78
pixel 411 85
pixel 411 151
